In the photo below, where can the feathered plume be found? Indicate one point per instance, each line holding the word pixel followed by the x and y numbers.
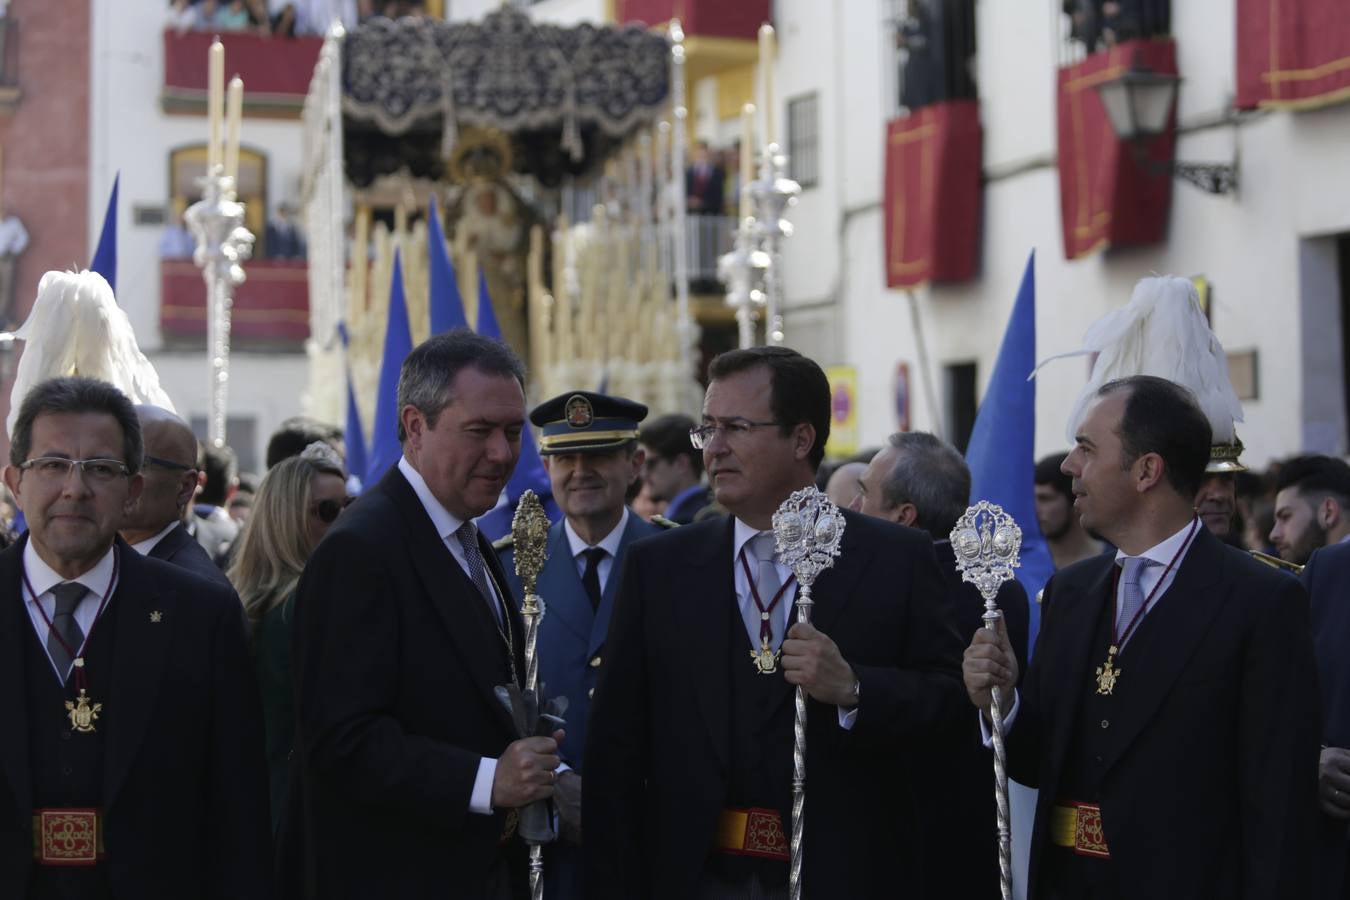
pixel 1161 332
pixel 77 328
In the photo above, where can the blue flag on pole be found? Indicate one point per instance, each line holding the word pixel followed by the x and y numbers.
pixel 487 318
pixel 105 255
pixel 1001 452
pixel 447 307
pixel 384 446
pixel 354 436
pixel 529 473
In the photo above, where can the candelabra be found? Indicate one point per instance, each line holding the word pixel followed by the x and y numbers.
pixel 772 194
pixel 742 270
pixel 223 243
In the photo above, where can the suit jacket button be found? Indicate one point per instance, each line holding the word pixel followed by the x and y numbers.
pixel 1105 724
pixel 590 694
pixel 595 661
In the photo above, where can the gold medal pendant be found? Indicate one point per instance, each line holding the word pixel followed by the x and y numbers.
pixel 1108 674
pixel 82 715
pixel 765 659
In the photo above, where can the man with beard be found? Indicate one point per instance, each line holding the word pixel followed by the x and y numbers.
pixel 689 752
pixel 1312 506
pixel 589 444
pixel 1065 536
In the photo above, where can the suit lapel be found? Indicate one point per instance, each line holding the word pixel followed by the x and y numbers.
pixel 467 618
pixel 170 543
pixel 1179 622
pixel 635 529
pixel 139 648
pixel 14 621
pixel 702 613
pixel 514 620
pixel 1069 665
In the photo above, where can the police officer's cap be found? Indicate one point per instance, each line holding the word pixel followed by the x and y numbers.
pixel 582 422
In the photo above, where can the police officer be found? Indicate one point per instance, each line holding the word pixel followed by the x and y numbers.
pixel 590 449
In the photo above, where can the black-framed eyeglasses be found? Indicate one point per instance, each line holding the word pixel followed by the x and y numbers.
pixel 169 464
pixel 329 510
pixel 57 468
pixel 701 435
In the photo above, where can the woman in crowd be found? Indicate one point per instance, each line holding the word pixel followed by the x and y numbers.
pixel 297 501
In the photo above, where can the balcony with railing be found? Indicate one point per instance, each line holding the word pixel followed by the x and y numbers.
pixel 271 308
pixel 277 70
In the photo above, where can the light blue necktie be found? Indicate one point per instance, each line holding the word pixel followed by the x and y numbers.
pixel 1132 593
pixel 766 585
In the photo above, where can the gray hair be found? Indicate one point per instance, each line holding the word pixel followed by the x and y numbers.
pixel 931 474
pixel 77 395
pixel 427 373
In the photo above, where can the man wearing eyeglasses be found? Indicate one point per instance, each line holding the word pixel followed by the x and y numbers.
pixel 689 753
pixel 131 757
pixel 153 525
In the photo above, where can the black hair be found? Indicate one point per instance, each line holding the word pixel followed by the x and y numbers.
pixel 1048 472
pixel 800 390
pixel 221 470
pixel 668 438
pixel 77 395
pixel 1162 417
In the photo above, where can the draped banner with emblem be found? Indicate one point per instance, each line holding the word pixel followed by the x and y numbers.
pixel 933 194
pixel 1110 193
pixel 1292 53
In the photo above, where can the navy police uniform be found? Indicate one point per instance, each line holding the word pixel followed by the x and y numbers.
pixel 572 631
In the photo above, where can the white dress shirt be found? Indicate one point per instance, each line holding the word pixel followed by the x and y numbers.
pixel 144 547
pixel 610 544
pixel 42 578
pixel 743 535
pixel 1172 551
pixel 480 800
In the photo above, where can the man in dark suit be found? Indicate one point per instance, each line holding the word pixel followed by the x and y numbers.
pixel 921 481
pixel 689 751
pixel 131 760
pixel 673 469
pixel 409 768
pixel 153 525
pixel 1327 581
pixel 1169 717
pixel 704 183
pixel 589 446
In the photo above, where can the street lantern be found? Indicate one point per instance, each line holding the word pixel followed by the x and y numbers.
pixel 1140 105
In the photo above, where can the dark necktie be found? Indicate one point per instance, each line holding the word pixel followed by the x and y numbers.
pixel 468 539
pixel 591 578
pixel 68 597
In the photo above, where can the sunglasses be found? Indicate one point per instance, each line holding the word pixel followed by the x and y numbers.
pixel 329 510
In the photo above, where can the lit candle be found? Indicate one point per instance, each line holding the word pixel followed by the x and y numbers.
pixel 747 156
pixel 215 101
pixel 236 112
pixel 766 55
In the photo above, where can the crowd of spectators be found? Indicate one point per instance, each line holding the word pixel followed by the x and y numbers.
pixel 282 18
pixel 1100 24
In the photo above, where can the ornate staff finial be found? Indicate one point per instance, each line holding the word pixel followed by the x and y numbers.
pixel 529 533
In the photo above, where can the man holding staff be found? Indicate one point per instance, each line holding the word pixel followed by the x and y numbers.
pixel 689 753
pixel 1169 716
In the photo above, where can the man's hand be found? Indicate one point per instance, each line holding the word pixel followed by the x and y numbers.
pixel 813 661
pixel 1333 782
pixel 990 662
pixel 567 799
pixel 525 772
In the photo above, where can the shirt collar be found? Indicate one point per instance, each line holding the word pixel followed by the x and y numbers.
pixel 1166 551
pixel 43 577
pixel 610 544
pixel 744 535
pixel 144 547
pixel 446 522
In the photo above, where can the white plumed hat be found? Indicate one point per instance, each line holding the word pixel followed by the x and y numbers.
pixel 1163 332
pixel 77 328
